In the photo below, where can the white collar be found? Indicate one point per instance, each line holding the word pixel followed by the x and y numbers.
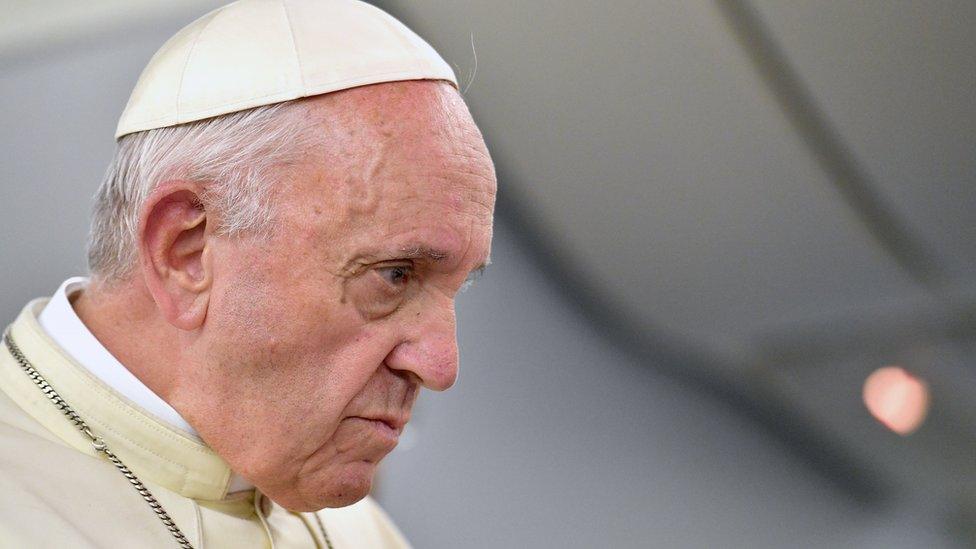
pixel 61 322
pixel 63 325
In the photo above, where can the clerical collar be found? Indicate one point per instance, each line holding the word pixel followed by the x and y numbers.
pixel 62 324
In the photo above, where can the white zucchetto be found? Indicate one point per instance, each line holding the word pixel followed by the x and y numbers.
pixel 259 52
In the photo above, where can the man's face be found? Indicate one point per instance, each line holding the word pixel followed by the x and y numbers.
pixel 318 338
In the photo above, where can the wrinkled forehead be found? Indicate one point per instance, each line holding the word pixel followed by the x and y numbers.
pixel 395 149
pixel 410 118
pixel 414 130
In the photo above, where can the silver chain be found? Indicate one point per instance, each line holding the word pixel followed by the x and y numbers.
pixel 325 535
pixel 96 442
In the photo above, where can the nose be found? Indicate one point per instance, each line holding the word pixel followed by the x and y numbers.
pixel 429 347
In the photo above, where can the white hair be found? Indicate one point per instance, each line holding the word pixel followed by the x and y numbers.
pixel 237 157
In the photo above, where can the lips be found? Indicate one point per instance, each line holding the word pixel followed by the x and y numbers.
pixel 389 423
pixel 393 423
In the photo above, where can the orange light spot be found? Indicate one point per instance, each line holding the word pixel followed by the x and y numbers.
pixel 897 399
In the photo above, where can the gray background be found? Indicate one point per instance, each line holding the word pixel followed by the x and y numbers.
pixel 685 294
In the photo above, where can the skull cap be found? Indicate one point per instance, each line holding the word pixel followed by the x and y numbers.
pixel 259 52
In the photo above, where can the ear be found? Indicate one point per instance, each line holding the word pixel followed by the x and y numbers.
pixel 174 252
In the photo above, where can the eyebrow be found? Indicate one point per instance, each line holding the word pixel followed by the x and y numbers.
pixel 434 254
pixel 425 252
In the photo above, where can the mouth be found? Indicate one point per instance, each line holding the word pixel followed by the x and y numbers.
pixel 387 426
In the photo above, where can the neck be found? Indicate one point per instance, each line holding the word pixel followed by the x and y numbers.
pixel 125 320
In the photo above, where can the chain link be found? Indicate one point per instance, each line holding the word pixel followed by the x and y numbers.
pixel 325 535
pixel 97 442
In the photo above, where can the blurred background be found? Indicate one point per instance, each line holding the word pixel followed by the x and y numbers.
pixel 733 293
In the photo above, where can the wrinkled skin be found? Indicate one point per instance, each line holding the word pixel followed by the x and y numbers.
pixel 314 342
pixel 331 324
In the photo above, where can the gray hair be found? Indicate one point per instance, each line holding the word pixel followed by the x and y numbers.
pixel 236 156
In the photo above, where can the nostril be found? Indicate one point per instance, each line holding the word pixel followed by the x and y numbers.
pixel 406 374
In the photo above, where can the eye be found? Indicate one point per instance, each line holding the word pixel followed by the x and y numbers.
pixel 396 275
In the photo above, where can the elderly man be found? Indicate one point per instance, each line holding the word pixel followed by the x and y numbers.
pixel 297 195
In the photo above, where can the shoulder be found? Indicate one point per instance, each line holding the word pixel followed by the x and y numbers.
pixel 362 525
pixel 56 496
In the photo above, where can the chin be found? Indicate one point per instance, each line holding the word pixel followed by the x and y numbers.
pixel 338 489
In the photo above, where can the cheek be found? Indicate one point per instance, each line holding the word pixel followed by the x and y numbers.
pixel 261 304
pixel 245 299
pixel 345 355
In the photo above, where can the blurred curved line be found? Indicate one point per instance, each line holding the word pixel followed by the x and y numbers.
pixel 861 194
pixel 865 198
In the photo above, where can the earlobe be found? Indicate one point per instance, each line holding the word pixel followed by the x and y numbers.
pixel 174 245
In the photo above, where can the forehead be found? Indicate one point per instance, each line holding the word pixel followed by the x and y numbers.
pixel 395 158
